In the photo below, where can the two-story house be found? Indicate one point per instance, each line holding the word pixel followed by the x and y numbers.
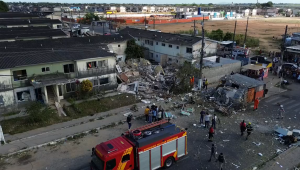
pixel 51 75
pixel 171 48
pixel 52 70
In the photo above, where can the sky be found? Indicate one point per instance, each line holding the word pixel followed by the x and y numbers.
pixel 157 1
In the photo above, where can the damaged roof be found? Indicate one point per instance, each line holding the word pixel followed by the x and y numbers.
pixel 17 59
pixel 244 81
pixel 170 38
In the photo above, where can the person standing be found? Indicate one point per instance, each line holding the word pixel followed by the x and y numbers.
pixel 211 134
pixel 159 115
pixel 150 116
pixel 129 117
pixel 249 130
pixel 206 84
pixel 213 121
pixel 242 127
pixel 221 160
pixel 256 102
pixel 281 111
pixel 147 110
pixel 202 113
pixel 213 152
pixel 206 120
pixel 154 114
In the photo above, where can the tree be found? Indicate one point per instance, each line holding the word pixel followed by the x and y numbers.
pixel 133 50
pixel 228 36
pixel 86 86
pixel 3 7
pixel 269 4
pixel 216 35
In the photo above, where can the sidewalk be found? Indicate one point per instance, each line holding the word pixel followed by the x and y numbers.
pixel 61 130
pixel 286 160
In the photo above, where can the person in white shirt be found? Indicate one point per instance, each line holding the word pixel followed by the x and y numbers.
pixel 207 120
pixel 159 115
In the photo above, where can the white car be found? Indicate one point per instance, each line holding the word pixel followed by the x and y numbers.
pixel 238 52
pixel 266 16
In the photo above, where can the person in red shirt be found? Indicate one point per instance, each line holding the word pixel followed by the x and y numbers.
pixel 256 102
pixel 243 127
pixel 211 133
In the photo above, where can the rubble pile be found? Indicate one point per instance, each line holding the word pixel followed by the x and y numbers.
pixel 140 76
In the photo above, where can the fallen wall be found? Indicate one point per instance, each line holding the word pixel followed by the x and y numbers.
pixel 214 74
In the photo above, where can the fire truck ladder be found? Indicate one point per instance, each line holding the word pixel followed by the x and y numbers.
pixel 151 125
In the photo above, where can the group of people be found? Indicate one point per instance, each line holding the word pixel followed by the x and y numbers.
pixel 154 113
pixel 244 127
pixel 206 118
pixel 220 159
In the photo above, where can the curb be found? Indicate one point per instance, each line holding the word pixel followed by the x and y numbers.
pixel 65 138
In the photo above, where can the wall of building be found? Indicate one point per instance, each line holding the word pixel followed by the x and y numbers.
pixel 37 70
pixel 215 73
pixel 82 64
pixel 157 50
pixel 7 98
pixel 119 49
pixel 5 80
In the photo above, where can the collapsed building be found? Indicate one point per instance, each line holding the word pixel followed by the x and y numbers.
pixel 141 76
pixel 238 89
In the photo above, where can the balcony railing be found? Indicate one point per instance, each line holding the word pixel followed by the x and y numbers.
pixel 5 87
pixel 95 72
pixel 21 83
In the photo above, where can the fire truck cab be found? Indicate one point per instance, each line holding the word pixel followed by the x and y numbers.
pixel 152 146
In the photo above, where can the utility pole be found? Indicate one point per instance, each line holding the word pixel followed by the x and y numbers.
pixel 233 38
pixel 194 28
pixel 154 23
pixel 283 42
pixel 145 22
pixel 103 27
pixel 246 33
pixel 202 55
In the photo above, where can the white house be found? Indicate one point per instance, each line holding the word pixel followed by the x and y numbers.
pixel 122 9
pixel 145 9
pixel 171 48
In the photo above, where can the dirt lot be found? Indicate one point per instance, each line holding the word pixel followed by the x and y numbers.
pixel 262 28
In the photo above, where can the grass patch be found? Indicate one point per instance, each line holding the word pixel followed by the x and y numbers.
pixel 11 113
pixel 40 116
pixel 90 107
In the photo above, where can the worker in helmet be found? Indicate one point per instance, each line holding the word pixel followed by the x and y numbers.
pixel 249 130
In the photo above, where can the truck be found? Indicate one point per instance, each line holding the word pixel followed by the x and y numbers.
pixel 152 146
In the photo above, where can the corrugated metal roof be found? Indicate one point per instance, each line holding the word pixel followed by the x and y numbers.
pixel 244 81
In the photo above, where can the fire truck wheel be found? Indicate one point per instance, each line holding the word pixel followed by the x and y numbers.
pixel 169 162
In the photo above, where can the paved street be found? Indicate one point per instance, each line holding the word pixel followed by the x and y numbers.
pixel 75 155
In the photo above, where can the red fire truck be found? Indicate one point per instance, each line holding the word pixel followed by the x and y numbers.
pixel 152 146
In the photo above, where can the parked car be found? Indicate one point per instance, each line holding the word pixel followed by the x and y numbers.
pixel 107 33
pixel 260 59
pixel 291 66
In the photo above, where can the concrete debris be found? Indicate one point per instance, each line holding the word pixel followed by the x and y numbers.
pixel 260 154
pixel 153 79
pixel 257 144
pixel 146 101
pixel 235 165
pixel 126 114
pixel 254 168
pixel 225 140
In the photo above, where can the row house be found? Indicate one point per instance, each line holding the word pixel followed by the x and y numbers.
pixel 54 77
pixel 171 48
pixel 50 74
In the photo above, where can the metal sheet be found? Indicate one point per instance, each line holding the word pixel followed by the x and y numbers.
pixel 155 158
pixel 169 148
pixel 144 160
pixel 250 97
pixel 181 147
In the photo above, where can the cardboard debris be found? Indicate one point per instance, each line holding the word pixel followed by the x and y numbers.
pixel 126 114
